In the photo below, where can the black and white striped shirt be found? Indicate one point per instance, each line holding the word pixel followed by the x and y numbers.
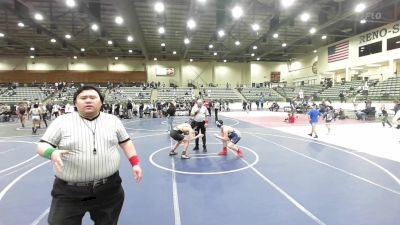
pixel 81 136
pixel 201 115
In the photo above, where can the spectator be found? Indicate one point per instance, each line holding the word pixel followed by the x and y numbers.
pixel 313 117
pixel 170 115
pixel 385 116
pixel 341 96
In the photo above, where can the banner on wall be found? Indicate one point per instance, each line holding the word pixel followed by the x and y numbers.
pixel 161 71
pixel 275 76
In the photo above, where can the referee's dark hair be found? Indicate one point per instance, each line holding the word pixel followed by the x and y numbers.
pixel 88 87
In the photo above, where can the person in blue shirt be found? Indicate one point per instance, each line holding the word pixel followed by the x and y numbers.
pixel 313 117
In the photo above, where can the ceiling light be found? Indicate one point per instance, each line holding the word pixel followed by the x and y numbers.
pixel 32 49
pixel 2 35
pixel 252 54
pixel 174 52
pixel 191 24
pixel 276 35
pixel 255 47
pixel 202 1
pixel 163 44
pixel 94 27
pixel 75 57
pixel 116 58
pixel 357 68
pixel 237 43
pixel 215 53
pixel 313 30
pixel 129 38
pixel 258 59
pixel 32 56
pixel 210 46
pixel 21 24
pixel 363 21
pixel 397 42
pixel 221 33
pixel 191 60
pixel 359 7
pixel 287 3
pixel 53 40
pixel 67 36
pixel 284 44
pixel 130 51
pixel 159 7
pixel 70 3
pixel 109 42
pixel 186 41
pixel 119 20
pixel 305 17
pixel 38 16
pixel 224 60
pixel 161 30
pixel 255 27
pixel 82 49
pixel 155 59
pixel 315 51
pixel 323 37
pixel 237 12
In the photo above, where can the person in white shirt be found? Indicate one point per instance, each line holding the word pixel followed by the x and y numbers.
pixel 56 109
pixel 200 116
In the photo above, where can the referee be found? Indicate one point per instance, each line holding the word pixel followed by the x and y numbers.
pixel 83 147
pixel 200 116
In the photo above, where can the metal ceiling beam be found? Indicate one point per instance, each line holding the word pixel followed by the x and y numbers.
pixel 12 43
pixel 191 9
pixel 33 24
pixel 251 4
pixel 281 24
pixel 128 12
pixel 339 17
pixel 93 19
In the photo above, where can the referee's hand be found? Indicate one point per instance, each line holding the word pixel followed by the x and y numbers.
pixel 137 173
pixel 56 159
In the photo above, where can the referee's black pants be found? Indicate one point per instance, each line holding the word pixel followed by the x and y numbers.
pixel 202 128
pixel 70 203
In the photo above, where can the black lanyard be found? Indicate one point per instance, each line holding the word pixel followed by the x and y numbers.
pixel 94 134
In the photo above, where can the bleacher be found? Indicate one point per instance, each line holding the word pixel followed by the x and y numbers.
pixel 286 92
pixel 21 94
pixel 385 90
pixel 122 94
pixel 292 92
pixel 176 94
pixel 218 93
pixel 332 93
pixel 255 94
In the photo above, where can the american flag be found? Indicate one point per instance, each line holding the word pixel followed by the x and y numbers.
pixel 338 52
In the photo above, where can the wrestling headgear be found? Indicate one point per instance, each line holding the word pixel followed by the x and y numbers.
pixel 219 123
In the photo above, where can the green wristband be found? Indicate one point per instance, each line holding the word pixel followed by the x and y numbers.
pixel 47 153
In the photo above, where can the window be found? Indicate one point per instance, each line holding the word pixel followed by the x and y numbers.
pixel 393 43
pixel 370 49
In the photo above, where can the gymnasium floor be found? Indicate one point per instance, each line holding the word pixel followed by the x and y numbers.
pixel 350 176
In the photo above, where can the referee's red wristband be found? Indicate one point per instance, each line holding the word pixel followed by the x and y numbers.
pixel 134 160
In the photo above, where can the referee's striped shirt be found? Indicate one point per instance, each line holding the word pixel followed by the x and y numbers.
pixel 74 133
pixel 201 116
